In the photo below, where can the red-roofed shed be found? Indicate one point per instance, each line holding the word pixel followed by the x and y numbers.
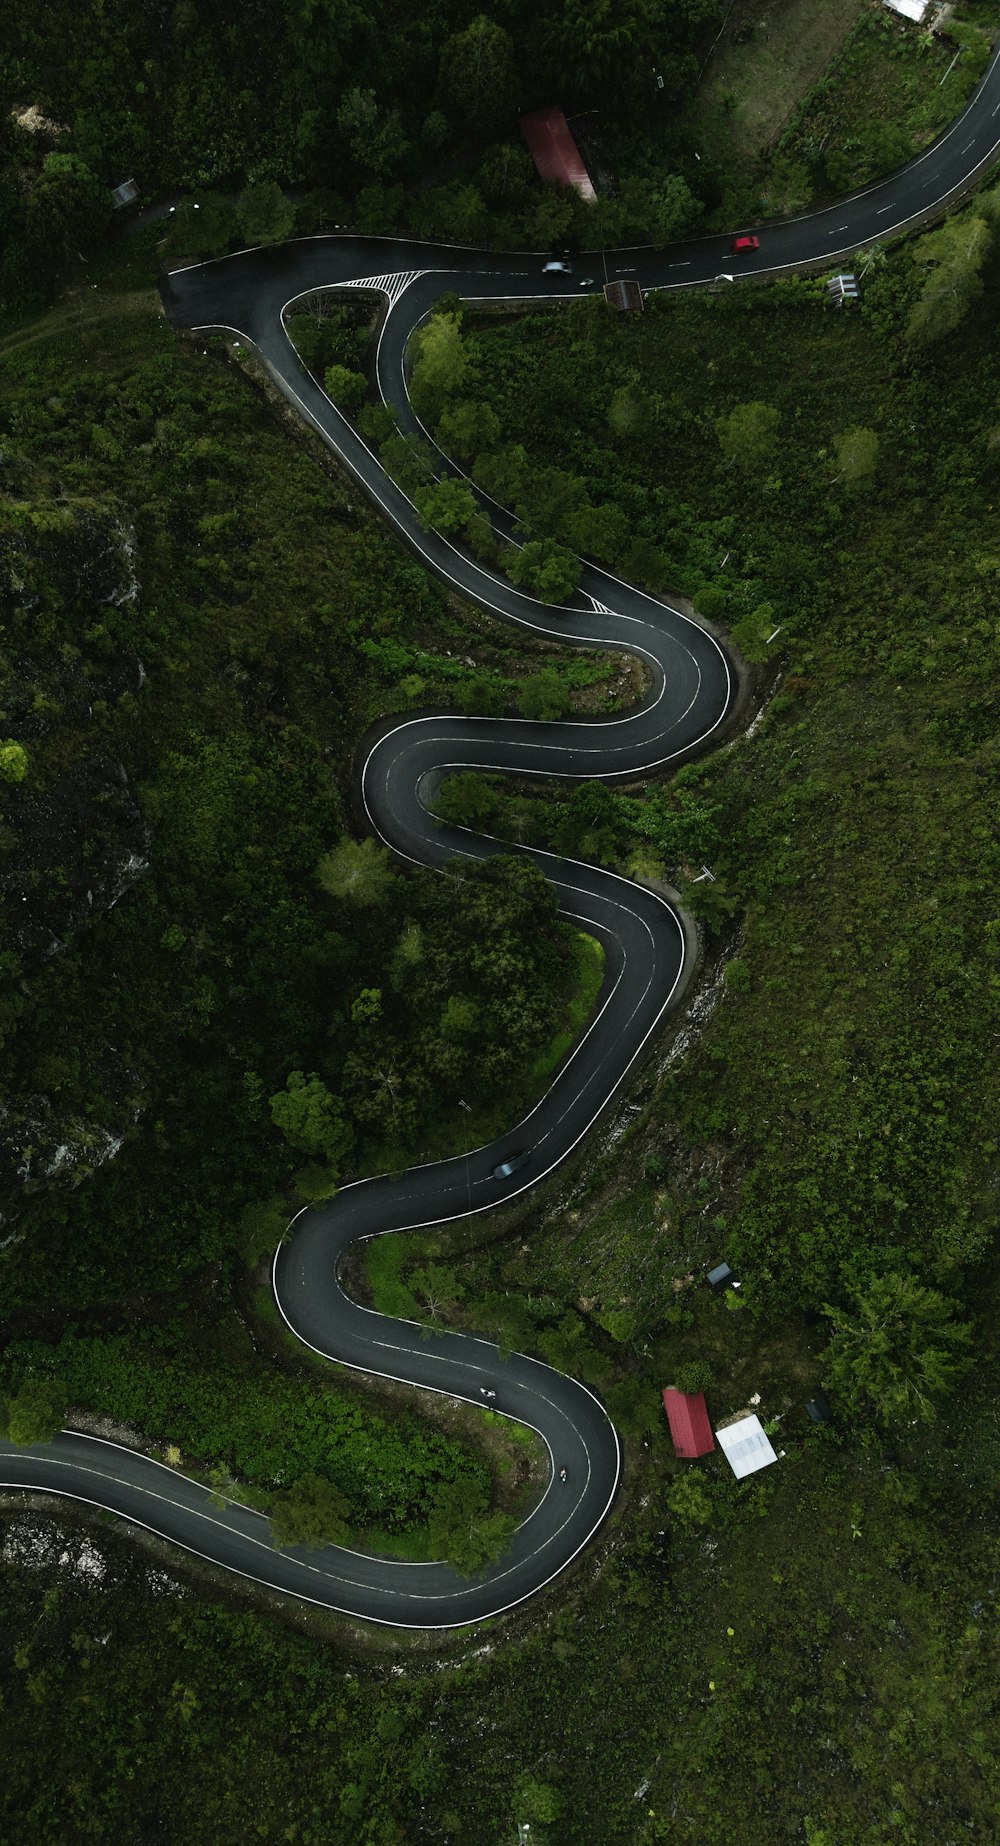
pixel 554 150
pixel 689 1424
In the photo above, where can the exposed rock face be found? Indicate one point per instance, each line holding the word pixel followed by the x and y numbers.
pixel 38 1544
pixel 73 840
pixel 39 1145
pixel 80 844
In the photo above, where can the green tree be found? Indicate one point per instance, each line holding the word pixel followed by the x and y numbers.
pixel 749 435
pixel 466 800
pixel 261 1228
pixel 377 208
pixel 543 696
pixel 347 388
pixel 661 209
pixel 315 1182
pixel 201 226
pixel 589 822
pixel 448 505
pixel 502 473
pixel 311 1120
pixel 462 1530
pixel 634 1406
pixel 483 696
pixel 545 569
pixel 264 215
pixel 954 257
pixel 643 562
pixel 36 1413
pixel 311 1512
pixel 374 134
pixel 409 460
pixel 376 423
pixel 897 1347
pixel 466 429
pixel 548 500
pixel 479 537
pixel 857 456
pixel 598 532
pixel 476 72
pixel 751 634
pixel 628 411
pixel 507 173
pixel 536 1805
pixel 440 365
pixel 13 761
pixel 358 872
pixel 66 214
pixel 406 957
pixel 366 1010
pixel 689 1500
pixel 590 40
pixel 551 216
pixel 460 1018
pixel 455 211
pixel 438 1288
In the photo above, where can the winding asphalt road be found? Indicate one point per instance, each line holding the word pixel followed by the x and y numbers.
pixel 693 689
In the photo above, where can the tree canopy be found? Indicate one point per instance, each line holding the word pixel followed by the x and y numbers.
pixel 897 1349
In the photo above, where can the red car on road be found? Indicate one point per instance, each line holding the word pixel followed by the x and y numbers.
pixel 740 245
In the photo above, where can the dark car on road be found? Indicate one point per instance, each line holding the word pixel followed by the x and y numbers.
pixel 512 1164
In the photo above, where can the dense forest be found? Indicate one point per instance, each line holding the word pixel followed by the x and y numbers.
pixel 218 999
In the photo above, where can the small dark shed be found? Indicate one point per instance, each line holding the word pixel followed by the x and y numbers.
pixel 625 296
pixel 689 1425
pixel 125 194
pixel 722 1277
pixel 819 1409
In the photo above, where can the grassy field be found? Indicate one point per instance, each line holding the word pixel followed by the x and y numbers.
pixel 769 56
pixel 803 102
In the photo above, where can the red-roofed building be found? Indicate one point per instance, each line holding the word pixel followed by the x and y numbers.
pixel 689 1424
pixel 554 151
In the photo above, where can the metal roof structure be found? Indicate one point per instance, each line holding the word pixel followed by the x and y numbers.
pixel 125 194
pixel 554 151
pixel 746 1447
pixel 910 9
pixel 625 296
pixel 690 1428
pixel 843 289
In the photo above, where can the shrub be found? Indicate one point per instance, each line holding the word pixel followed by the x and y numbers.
pixel 545 569
pixel 347 389
pixel 13 761
pixel 695 1375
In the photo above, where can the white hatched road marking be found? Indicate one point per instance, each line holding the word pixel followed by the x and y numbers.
pixel 393 286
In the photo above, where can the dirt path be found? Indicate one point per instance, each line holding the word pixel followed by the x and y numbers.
pixel 81 308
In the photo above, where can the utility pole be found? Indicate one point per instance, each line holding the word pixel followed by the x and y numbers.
pixel 468 1183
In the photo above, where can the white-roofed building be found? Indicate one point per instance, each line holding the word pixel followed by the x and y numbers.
pixel 745 1446
pixel 916 10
